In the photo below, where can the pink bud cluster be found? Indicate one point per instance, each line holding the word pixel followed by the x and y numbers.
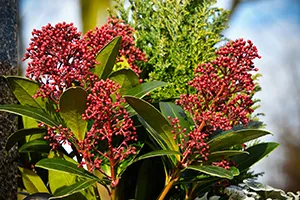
pixel 100 36
pixel 223 163
pixel 192 143
pixel 112 127
pixel 58 59
pixel 222 99
pixel 57 135
pixel 224 88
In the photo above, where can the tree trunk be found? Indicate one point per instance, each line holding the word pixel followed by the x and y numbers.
pixel 8 122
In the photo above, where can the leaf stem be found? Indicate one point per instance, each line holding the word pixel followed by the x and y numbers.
pixel 169 185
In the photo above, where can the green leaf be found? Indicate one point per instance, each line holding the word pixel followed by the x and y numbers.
pixel 107 58
pixel 175 111
pixel 158 143
pixel 74 188
pixel 150 180
pixel 31 112
pixel 155 120
pixel 217 155
pixel 143 89
pixel 122 64
pixel 29 122
pixel 232 138
pixel 256 153
pixel 35 146
pixel 72 105
pixel 212 171
pixel 20 134
pixel 157 153
pixel 63 166
pixel 59 181
pixel 126 78
pixel 24 89
pixel 32 182
pixel 235 171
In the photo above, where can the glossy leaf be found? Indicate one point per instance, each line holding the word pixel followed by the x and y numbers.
pixel 175 111
pixel 150 181
pixel 63 166
pixel 59 181
pixel 156 154
pixel 217 155
pixel 235 171
pixel 24 89
pixel 38 145
pixel 212 171
pixel 20 134
pixel 74 188
pixel 31 112
pixel 126 78
pixel 107 58
pixel 256 153
pixel 232 138
pixel 29 122
pixel 72 105
pixel 155 120
pixel 32 182
pixel 143 89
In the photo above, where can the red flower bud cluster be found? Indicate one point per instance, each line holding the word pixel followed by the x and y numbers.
pixel 58 59
pixel 224 88
pixel 192 143
pixel 112 127
pixel 100 36
pixel 223 163
pixel 57 135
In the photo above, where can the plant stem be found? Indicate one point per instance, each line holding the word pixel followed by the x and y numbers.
pixel 113 194
pixel 169 185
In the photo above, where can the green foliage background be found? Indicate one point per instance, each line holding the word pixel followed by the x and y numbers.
pixel 176 35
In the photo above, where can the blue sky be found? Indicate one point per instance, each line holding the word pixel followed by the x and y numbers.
pixel 273 26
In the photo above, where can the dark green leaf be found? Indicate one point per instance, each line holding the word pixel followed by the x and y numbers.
pixel 31 112
pixel 217 155
pixel 63 166
pixel 143 89
pixel 32 182
pixel 126 78
pixel 213 171
pixel 155 137
pixel 256 153
pixel 150 180
pixel 107 58
pixel 20 134
pixel 155 120
pixel 232 138
pixel 35 146
pixel 157 153
pixel 175 111
pixel 72 105
pixel 76 187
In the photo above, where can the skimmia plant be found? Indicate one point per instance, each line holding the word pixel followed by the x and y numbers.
pixel 94 129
